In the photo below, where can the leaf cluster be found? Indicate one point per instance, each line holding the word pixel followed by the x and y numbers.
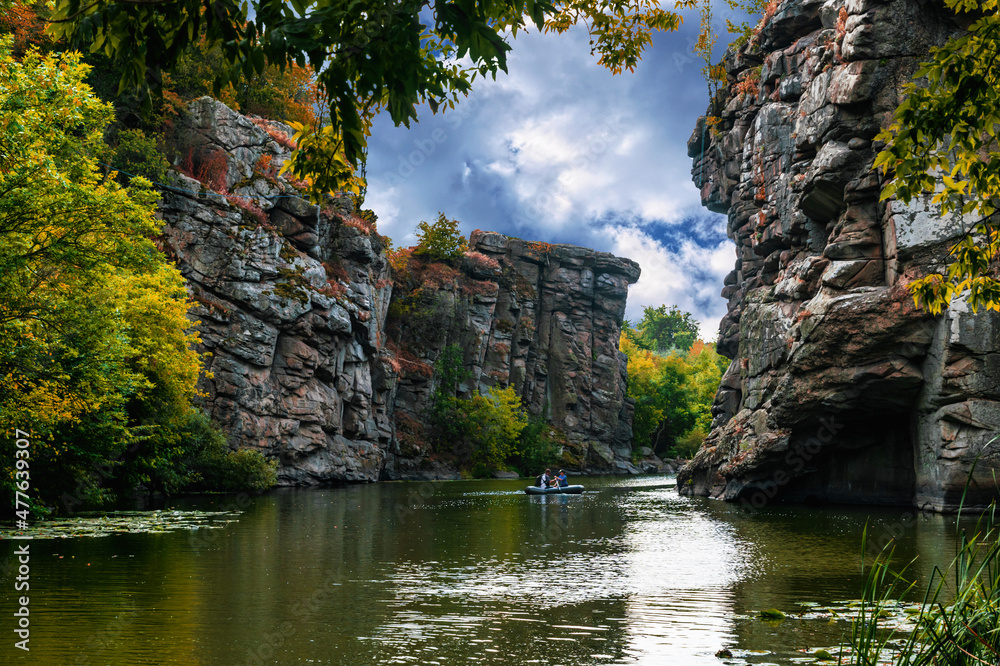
pixel 97 359
pixel 661 330
pixel 942 144
pixel 490 424
pixel 367 55
pixel 440 240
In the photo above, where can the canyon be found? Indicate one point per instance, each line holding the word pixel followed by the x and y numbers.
pixel 306 365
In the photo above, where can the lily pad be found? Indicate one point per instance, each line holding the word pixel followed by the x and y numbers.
pixel 124 522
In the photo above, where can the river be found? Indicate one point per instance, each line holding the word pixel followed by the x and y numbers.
pixel 460 572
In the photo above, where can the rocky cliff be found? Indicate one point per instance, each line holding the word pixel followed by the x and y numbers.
pixel 839 389
pixel 292 301
pixel 542 318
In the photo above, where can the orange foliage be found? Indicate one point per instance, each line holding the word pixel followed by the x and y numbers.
pixel 336 272
pixel 769 10
pixel 482 262
pixel 408 363
pixel 842 23
pixel 748 85
pixel 209 168
pixel 437 275
pixel 336 290
pixel 263 166
pixel 358 223
pixel 248 206
pixel 477 287
pixel 24 22
pixel 279 137
pixel 399 259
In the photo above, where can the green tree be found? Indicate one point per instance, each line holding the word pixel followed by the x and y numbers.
pixel 496 421
pixel 137 154
pixel 943 142
pixel 440 240
pixel 447 420
pixel 661 330
pixel 368 55
pixel 673 395
pixel 96 357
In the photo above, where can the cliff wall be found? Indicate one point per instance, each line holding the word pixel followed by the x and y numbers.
pixel 542 318
pixel 839 390
pixel 292 303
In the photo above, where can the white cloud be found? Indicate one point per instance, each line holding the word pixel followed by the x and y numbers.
pixel 560 150
pixel 689 277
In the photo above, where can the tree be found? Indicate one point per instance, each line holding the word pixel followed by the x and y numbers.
pixel 286 94
pixel 368 55
pixel 97 359
pixel 661 330
pixel 943 142
pixel 440 240
pixel 673 394
pixel 658 384
pixel 497 421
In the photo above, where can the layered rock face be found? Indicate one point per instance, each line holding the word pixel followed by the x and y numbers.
pixel 291 303
pixel 542 318
pixel 839 389
pixel 292 300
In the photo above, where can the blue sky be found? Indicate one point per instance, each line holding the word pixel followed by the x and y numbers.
pixel 560 150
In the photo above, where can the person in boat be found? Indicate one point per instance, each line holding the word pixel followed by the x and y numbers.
pixel 544 481
pixel 563 481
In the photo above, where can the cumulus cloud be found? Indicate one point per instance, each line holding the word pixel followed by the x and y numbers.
pixel 689 276
pixel 560 150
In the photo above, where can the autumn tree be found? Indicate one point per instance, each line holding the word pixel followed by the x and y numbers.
pixel 942 143
pixel 367 56
pixel 498 420
pixel 673 390
pixel 97 358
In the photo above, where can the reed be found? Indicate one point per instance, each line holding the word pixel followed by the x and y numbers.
pixel 958 623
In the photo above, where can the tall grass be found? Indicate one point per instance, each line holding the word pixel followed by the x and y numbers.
pixel 958 623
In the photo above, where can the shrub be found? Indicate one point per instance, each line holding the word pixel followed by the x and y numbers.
pixel 481 262
pixel 211 465
pixel 445 416
pixel 497 422
pixel 209 168
pixel 138 155
pixel 208 464
pixel 359 223
pixel 277 135
pixel 688 444
pixel 264 167
pixel 537 447
pixel 441 240
pixel 248 206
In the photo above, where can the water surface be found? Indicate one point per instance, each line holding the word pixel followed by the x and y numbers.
pixel 459 572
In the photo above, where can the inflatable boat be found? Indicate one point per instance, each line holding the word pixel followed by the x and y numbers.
pixel 564 490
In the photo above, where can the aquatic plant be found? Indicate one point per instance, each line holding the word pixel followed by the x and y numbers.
pixel 957 624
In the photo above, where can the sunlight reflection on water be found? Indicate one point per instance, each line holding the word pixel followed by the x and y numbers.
pixel 468 572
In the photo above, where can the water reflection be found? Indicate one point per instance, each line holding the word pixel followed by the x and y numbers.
pixel 462 572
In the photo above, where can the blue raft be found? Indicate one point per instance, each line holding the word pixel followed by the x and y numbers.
pixel 565 490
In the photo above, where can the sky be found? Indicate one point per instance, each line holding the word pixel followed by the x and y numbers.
pixel 560 150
